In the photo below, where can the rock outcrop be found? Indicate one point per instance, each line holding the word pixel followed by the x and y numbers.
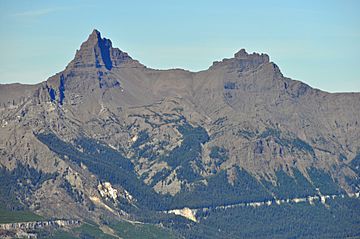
pixel 168 136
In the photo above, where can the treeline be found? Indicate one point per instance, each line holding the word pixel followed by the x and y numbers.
pixel 108 164
pixel 340 220
pixel 20 183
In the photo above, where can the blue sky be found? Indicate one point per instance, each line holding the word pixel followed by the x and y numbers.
pixel 317 42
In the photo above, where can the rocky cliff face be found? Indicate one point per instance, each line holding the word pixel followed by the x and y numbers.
pixel 238 131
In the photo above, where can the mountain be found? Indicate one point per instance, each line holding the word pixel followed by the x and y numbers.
pixel 193 154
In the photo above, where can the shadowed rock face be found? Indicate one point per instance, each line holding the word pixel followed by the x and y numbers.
pixel 240 120
pixel 98 52
pixel 105 46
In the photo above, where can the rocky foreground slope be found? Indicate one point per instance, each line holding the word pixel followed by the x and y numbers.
pixel 109 136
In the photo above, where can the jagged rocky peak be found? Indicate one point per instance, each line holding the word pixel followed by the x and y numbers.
pixel 243 61
pixel 98 52
pixel 255 57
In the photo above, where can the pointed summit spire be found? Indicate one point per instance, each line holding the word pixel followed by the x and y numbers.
pixel 98 52
pixel 94 36
pixel 95 32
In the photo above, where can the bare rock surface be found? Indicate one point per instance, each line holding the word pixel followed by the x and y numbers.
pixel 259 120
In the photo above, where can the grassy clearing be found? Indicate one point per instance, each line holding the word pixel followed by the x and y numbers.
pixel 7 216
pixel 143 231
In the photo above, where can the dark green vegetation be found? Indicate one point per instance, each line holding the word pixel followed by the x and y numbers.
pixel 122 229
pixel 110 165
pixel 299 186
pixel 246 188
pixel 190 148
pixel 340 220
pixel 355 164
pixel 90 231
pixel 293 143
pixel 182 158
pixel 18 184
pixel 188 153
pixel 143 137
pixel 73 193
pixel 60 235
pixel 291 187
pixel 86 231
pixel 324 182
pixel 219 155
pixel 10 216
pixel 128 231
pixel 107 164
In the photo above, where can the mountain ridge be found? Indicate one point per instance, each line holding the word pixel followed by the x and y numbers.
pixel 95 39
pixel 167 139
